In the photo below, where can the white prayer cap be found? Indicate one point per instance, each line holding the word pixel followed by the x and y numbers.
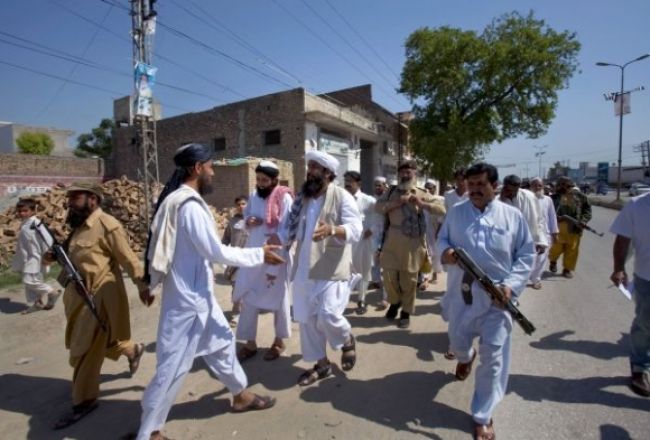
pixel 268 164
pixel 323 159
pixel 430 182
pixel 380 179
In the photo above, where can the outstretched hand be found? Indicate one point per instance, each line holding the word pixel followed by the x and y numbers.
pixel 146 297
pixel 271 257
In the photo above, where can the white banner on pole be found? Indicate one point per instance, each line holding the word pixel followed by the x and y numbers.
pixel 625 102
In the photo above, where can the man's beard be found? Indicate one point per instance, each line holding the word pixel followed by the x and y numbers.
pixel 265 192
pixel 204 185
pixel 406 182
pixel 77 217
pixel 313 185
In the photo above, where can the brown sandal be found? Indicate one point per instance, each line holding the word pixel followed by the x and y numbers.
pixel 317 373
pixel 484 432
pixel 258 403
pixel 274 352
pixel 463 370
pixel 134 362
pixel 245 353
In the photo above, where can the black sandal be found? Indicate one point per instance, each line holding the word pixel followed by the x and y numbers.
pixel 317 373
pixel 349 359
pixel 78 412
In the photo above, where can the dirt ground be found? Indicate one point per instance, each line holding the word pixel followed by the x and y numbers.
pixel 389 394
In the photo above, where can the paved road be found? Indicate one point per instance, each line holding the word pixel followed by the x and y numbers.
pixel 568 381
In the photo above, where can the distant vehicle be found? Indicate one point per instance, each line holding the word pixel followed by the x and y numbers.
pixel 602 189
pixel 636 189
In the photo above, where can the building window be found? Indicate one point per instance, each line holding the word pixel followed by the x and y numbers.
pixel 272 137
pixel 219 144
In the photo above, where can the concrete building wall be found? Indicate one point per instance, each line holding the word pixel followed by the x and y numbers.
pixel 9 132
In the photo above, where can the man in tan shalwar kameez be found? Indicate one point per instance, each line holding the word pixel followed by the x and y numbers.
pixel 404 249
pixel 98 247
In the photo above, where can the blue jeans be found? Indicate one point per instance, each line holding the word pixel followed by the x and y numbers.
pixel 640 332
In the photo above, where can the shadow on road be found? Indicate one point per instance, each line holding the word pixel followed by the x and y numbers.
pixel 597 349
pixel 401 401
pixel 590 390
pixel 9 307
pixel 609 432
pixel 425 344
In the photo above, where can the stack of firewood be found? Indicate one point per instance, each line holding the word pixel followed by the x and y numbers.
pixel 123 199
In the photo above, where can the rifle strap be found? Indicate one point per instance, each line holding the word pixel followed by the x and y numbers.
pixel 466 288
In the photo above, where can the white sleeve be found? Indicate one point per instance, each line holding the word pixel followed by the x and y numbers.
pixel 552 217
pixel 623 224
pixel 201 230
pixel 350 218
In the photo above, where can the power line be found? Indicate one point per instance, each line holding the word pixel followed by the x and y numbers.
pixel 353 29
pixel 325 43
pixel 105 68
pixel 345 40
pixel 74 68
pixel 162 57
pixel 223 29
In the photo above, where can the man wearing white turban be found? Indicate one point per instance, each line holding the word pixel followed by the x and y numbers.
pixel 324 221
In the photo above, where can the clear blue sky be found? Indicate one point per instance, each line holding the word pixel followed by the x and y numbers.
pixel 585 128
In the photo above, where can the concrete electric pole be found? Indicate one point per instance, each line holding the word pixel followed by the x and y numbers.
pixel 143 30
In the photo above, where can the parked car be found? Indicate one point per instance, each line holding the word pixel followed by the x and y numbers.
pixel 636 189
pixel 602 189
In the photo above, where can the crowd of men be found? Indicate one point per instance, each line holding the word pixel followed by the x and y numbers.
pixel 300 255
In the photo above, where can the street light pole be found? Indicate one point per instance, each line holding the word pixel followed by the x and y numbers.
pixel 620 120
pixel 539 154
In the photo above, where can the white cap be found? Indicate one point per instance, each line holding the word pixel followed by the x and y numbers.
pixel 380 179
pixel 323 159
pixel 430 182
pixel 268 164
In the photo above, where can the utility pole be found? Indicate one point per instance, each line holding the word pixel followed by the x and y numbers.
pixel 539 154
pixel 644 149
pixel 143 29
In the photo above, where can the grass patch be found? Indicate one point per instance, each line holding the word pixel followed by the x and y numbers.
pixel 9 278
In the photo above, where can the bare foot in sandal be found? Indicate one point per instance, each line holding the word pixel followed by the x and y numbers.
pixel 349 355
pixel 247 401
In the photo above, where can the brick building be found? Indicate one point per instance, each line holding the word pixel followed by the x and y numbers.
pixel 346 123
pixel 10 131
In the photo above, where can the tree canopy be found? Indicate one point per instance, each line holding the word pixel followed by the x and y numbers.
pixel 32 142
pixel 470 90
pixel 97 143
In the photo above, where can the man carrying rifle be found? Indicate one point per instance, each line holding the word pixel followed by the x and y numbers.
pixel 496 237
pixel 98 248
pixel 568 201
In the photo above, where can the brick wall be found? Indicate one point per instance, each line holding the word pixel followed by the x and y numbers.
pixel 242 124
pixel 24 173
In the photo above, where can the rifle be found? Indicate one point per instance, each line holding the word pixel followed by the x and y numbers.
pixel 496 294
pixel 581 225
pixel 71 272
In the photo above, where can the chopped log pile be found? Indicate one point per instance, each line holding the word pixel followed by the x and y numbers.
pixel 123 199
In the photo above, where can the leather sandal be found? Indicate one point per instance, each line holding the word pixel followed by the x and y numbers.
pixel 449 355
pixel 274 352
pixel 134 362
pixel 258 403
pixel 484 432
pixel 463 370
pixel 317 373
pixel 245 353
pixel 349 355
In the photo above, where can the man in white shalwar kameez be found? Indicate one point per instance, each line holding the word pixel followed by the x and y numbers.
pixel 324 221
pixel 363 250
pixel 434 222
pixel 550 229
pixel 459 193
pixel 182 247
pixel 264 287
pixel 496 236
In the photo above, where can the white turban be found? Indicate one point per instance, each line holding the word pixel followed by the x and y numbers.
pixel 323 159
pixel 380 179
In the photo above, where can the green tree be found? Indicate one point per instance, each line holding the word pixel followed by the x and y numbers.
pixel 470 90
pixel 31 142
pixel 99 142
